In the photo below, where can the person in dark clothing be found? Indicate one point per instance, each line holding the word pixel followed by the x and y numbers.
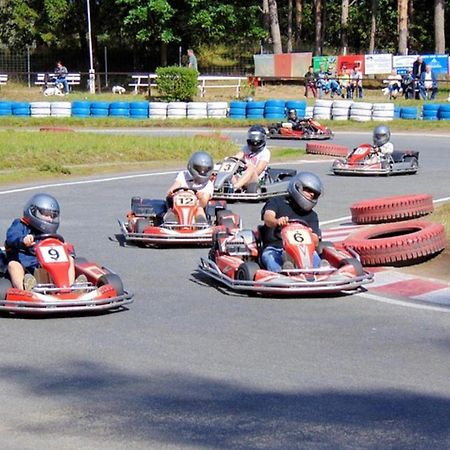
pixel 304 191
pixel 419 66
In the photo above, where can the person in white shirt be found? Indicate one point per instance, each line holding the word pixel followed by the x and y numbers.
pixel 257 157
pixel 197 177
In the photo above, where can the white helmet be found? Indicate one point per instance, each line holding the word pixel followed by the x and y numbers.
pixel 300 182
pixel 42 212
pixel 200 166
pixel 381 135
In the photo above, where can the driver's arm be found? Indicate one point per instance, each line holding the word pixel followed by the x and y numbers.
pixel 261 167
pixel 175 185
pixel 239 155
pixel 271 220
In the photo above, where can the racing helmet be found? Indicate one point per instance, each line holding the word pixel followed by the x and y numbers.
pixel 381 135
pixel 292 114
pixel 256 138
pixel 301 182
pixel 200 166
pixel 42 212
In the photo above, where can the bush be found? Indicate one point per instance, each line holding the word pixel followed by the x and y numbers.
pixel 177 83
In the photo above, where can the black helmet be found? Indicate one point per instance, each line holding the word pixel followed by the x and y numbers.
pixel 256 138
pixel 200 166
pixel 381 135
pixel 292 114
pixel 42 212
pixel 301 182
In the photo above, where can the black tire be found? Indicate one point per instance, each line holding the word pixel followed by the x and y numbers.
pixel 414 165
pixel 359 269
pixel 247 271
pixel 112 279
pixel 5 284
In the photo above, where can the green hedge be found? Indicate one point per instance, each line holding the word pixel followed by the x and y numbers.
pixel 177 83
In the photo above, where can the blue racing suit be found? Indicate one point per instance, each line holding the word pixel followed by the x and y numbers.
pixel 16 249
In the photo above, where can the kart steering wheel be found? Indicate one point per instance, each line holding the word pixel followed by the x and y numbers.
pixel 41 237
pixel 178 189
pixel 234 158
pixel 299 221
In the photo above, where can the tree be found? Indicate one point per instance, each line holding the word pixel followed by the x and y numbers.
pixel 344 27
pixel 275 27
pixel 439 26
pixel 402 27
pixel 318 43
pixel 298 21
pixel 373 25
pixel 289 30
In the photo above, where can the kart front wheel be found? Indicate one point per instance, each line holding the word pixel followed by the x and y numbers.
pixel 247 271
pixel 112 279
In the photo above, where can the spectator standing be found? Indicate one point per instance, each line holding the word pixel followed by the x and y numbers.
pixel 192 62
pixel 428 84
pixel 310 82
pixel 60 76
pixel 356 82
pixel 345 82
pixel 418 68
pixel 322 81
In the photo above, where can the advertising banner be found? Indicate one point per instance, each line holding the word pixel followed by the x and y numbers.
pixel 301 63
pixel 350 61
pixel 403 62
pixel 376 64
pixel 329 63
pixel 264 65
pixel 438 63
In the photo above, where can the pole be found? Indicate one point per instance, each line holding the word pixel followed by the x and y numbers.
pixel 106 66
pixel 179 55
pixel 91 58
pixel 28 66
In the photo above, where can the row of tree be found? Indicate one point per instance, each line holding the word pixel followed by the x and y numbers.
pixel 154 30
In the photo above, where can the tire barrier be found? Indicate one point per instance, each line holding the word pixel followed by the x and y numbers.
pixel 139 110
pixel 100 109
pixel 40 109
pixel 6 108
pixel 217 110
pixel 255 110
pixel 361 112
pixel 319 148
pixel 275 109
pixel 398 242
pixel 119 109
pixel 391 209
pixel 238 110
pixel 60 109
pixel 444 112
pixel 430 111
pixel 341 109
pixel 197 110
pixel 383 112
pixel 177 110
pixel 81 109
pixel 322 109
pixel 157 110
pixel 298 105
pixel 408 112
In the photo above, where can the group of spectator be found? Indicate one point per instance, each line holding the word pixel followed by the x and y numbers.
pixel 348 85
pixel 418 82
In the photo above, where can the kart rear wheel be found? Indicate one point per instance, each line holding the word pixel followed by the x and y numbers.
pixel 5 284
pixel 247 271
pixel 112 279
pixel 359 269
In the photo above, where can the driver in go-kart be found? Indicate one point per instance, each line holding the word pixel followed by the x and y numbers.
pixel 40 216
pixel 256 156
pixel 297 124
pixel 381 145
pixel 198 177
pixel 304 191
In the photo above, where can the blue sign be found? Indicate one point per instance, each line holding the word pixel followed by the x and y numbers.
pixel 438 63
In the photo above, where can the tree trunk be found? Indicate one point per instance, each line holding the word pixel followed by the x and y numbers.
pixel 318 32
pixel 402 27
pixel 344 27
pixel 298 22
pixel 266 17
pixel 289 30
pixel 275 27
pixel 373 26
pixel 439 27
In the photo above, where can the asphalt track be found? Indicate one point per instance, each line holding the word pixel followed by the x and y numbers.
pixel 191 366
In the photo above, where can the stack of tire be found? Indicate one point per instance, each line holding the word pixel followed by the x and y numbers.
pixel 408 112
pixel 100 109
pixel 298 105
pixel 275 109
pixel 61 109
pixel 217 110
pixel 81 109
pixel 397 109
pixel 430 111
pixel 5 108
pixel 383 112
pixel 238 110
pixel 361 112
pixel 157 110
pixel 40 109
pixel 139 110
pixel 341 109
pixel 322 109
pixel 197 110
pixel 119 109
pixel 177 110
pixel 21 109
pixel 444 112
pixel 255 110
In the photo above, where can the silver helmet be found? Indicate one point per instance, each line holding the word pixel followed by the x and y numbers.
pixel 42 212
pixel 256 138
pixel 200 166
pixel 305 181
pixel 292 114
pixel 381 135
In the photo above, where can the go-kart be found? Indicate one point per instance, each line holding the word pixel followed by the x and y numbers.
pixel 364 160
pixel 274 182
pixel 234 261
pixel 53 294
pixel 146 223
pixel 308 129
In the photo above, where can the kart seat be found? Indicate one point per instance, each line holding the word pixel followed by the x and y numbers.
pixel 280 174
pixel 148 207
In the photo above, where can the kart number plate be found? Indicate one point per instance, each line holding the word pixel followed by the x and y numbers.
pixel 227 167
pixel 299 236
pixel 185 200
pixel 54 253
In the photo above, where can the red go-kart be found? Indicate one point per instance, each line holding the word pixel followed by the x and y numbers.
pixel 365 160
pixel 53 293
pixel 308 129
pixel 234 260
pixel 146 223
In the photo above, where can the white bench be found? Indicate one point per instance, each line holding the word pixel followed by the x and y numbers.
pixel 3 78
pixel 73 79
pixel 143 81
